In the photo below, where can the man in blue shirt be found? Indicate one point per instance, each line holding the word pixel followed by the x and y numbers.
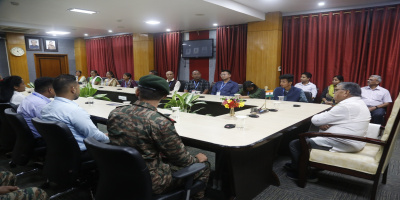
pixel 64 109
pixel 226 87
pixel 290 93
pixel 33 104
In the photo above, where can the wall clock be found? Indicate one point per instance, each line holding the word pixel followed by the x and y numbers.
pixel 17 51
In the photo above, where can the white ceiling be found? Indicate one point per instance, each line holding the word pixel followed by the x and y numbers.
pixel 129 16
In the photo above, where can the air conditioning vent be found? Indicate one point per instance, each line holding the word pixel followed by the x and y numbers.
pixel 18 30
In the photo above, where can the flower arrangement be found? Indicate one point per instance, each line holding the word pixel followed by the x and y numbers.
pixel 232 103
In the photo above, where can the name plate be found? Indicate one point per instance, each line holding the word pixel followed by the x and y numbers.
pixel 123 98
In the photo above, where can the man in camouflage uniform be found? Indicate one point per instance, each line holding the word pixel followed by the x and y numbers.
pixel 154 136
pixel 10 192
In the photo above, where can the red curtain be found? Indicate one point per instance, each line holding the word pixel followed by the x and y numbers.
pixel 167 52
pixel 355 44
pixel 231 52
pixel 99 56
pixel 201 64
pixel 122 48
pixel 110 54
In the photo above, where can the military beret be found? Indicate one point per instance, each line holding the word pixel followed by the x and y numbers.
pixel 154 82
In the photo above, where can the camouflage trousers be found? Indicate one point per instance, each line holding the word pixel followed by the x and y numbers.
pixel 31 193
pixel 203 175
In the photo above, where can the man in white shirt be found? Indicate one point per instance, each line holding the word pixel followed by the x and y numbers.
pixel 306 85
pixel 350 116
pixel 377 98
pixel 174 85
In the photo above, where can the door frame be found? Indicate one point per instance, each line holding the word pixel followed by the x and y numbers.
pixel 37 57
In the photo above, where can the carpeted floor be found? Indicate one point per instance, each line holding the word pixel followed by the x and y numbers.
pixel 330 185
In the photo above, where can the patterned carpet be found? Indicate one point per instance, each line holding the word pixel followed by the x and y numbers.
pixel 330 185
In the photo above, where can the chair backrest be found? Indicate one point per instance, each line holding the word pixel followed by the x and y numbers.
pixel 182 87
pixel 391 132
pixel 7 134
pixel 63 156
pixel 123 172
pixel 308 96
pixel 25 143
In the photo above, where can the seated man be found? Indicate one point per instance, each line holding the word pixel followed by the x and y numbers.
pixel 377 99
pixel 9 191
pixel 290 93
pixel 349 116
pixel 33 104
pixel 174 85
pixel 306 85
pixel 153 135
pixel 197 84
pixel 64 109
pixel 226 87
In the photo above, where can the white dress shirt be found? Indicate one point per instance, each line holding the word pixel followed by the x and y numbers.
pixel 351 117
pixel 375 97
pixel 309 87
pixel 17 98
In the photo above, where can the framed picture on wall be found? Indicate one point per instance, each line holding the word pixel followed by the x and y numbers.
pixel 50 45
pixel 33 44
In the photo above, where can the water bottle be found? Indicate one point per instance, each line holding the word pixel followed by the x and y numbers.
pixel 102 82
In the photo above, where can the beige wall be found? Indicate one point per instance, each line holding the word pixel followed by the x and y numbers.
pixel 143 54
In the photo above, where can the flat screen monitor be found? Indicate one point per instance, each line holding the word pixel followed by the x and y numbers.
pixel 197 48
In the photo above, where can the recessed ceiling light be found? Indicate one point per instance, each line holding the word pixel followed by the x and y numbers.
pixel 321 3
pixel 168 29
pixel 85 34
pixel 110 31
pixel 152 22
pixel 58 32
pixel 54 35
pixel 215 24
pixel 82 11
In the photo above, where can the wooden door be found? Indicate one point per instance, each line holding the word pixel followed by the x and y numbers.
pixel 51 65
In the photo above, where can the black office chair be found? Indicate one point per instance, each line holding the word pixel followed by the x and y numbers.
pixel 7 135
pixel 124 174
pixel 24 147
pixel 309 97
pixel 182 87
pixel 63 164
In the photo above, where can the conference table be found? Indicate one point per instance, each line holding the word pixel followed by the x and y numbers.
pixel 244 156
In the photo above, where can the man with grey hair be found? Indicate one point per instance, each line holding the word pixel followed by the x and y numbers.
pixel 377 98
pixel 350 116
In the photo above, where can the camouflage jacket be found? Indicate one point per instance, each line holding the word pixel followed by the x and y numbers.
pixel 154 136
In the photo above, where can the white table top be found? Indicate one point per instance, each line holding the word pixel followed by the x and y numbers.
pixel 211 129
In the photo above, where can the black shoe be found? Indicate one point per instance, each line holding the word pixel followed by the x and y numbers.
pixel 295 176
pixel 288 167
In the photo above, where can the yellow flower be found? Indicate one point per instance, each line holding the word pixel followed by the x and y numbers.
pixel 241 104
pixel 226 105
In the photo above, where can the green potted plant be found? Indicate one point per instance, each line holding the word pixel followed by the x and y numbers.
pixel 89 91
pixel 184 102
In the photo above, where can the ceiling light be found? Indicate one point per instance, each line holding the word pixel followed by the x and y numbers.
pixel 168 29
pixel 110 31
pixel 54 35
pixel 152 22
pixel 215 24
pixel 58 32
pixel 321 3
pixel 82 11
pixel 85 34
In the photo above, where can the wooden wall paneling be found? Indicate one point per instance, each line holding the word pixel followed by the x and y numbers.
pixel 143 54
pixel 18 64
pixel 264 51
pixel 80 55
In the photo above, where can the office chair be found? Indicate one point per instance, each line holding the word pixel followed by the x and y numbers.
pixel 63 164
pixel 124 174
pixel 309 97
pixel 7 134
pixel 24 147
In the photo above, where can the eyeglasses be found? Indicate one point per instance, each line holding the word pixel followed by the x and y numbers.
pixel 335 90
